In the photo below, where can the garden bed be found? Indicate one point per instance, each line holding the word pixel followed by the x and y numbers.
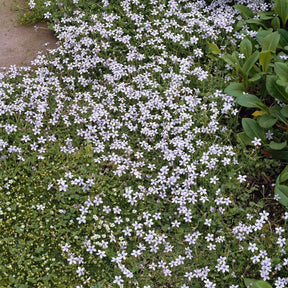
pixel 120 165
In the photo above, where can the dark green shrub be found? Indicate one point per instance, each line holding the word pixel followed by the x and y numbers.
pixel 262 69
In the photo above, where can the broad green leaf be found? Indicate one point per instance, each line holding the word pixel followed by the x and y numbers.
pixel 282 192
pixel 264 15
pixel 275 22
pixel 276 90
pixel 214 48
pixel 267 121
pixel 230 60
pixel 283 37
pixel 284 111
pixel 265 59
pixel 246 47
pixel 243 139
pixel 250 101
pixel 281 8
pixel 261 34
pixel 211 57
pixel 283 177
pixel 252 129
pixel 244 11
pixel 282 83
pixel 235 89
pixel 270 42
pixel 250 62
pixel 281 70
pixel 239 25
pixel 281 155
pixel 275 111
pixel 256 77
pixel 252 283
pixel 277 146
pixel 257 22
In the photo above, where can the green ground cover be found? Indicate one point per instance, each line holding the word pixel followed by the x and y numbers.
pixel 123 158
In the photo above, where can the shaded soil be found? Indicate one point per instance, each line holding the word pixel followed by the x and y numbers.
pixel 20 44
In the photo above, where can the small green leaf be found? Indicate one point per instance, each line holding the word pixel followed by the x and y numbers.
pixel 275 23
pixel 282 83
pixel 244 11
pixel 284 111
pixel 282 192
pixel 271 41
pixel 281 70
pixel 261 34
pixel 255 77
pixel 250 101
pixel 265 59
pixel 252 283
pixel 246 47
pixel 235 89
pixel 264 15
pixel 250 62
pixel 214 48
pixel 230 60
pixel 283 177
pixel 257 22
pixel 243 139
pixel 276 90
pixel 275 111
pixel 283 37
pixel 239 25
pixel 281 155
pixel 277 146
pixel 267 121
pixel 252 129
pixel 281 8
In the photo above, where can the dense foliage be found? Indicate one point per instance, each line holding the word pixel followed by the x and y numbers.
pixel 119 161
pixel 262 68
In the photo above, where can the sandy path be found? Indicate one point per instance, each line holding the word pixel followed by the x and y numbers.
pixel 20 44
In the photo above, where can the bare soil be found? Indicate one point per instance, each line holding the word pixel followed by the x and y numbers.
pixel 20 44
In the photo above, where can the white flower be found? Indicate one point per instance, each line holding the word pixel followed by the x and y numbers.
pixel 65 248
pixel 80 271
pixel 252 247
pixel 118 280
pixel 256 141
pixel 269 135
pixel 242 178
pixel 32 4
pixel 40 207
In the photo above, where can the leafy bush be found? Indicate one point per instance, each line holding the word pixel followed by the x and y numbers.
pixel 262 68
